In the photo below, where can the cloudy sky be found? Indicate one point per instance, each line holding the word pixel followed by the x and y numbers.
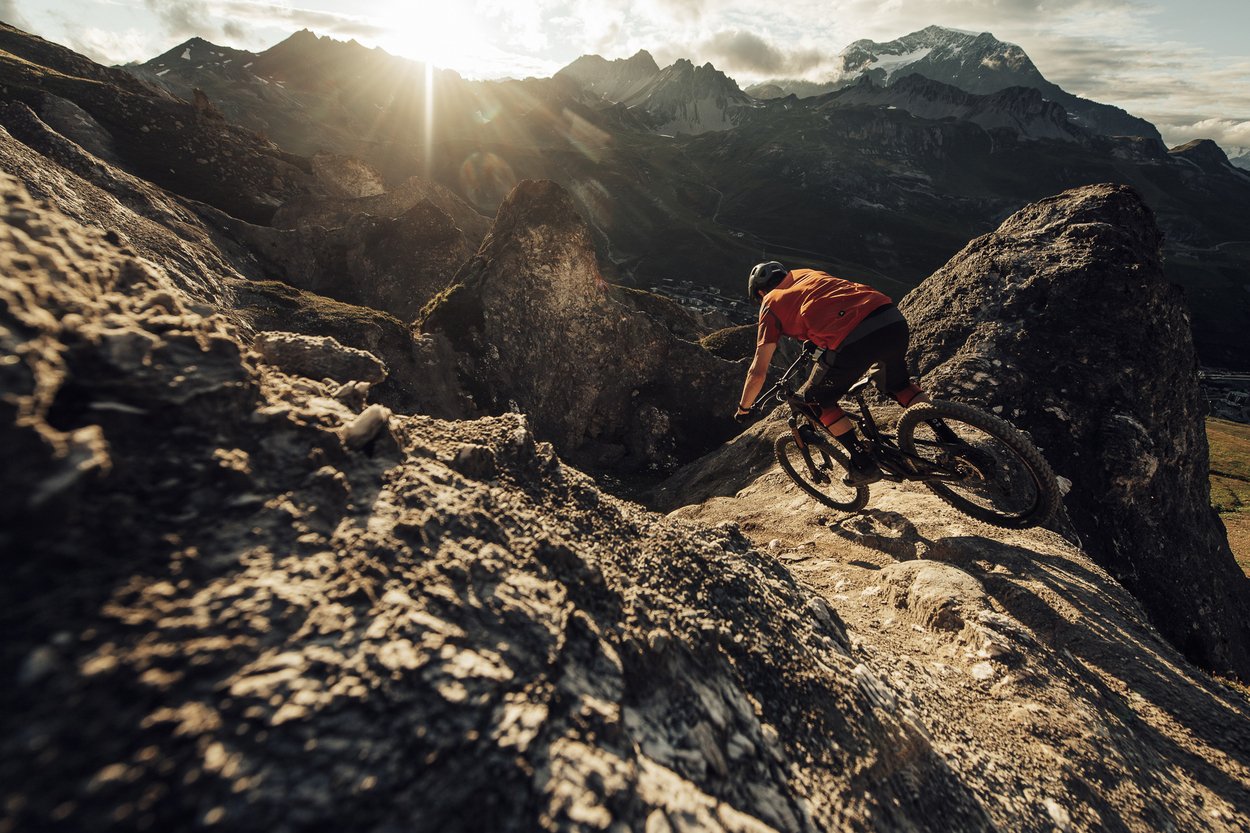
pixel 1183 64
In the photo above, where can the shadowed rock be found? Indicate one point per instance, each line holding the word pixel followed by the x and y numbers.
pixel 394 264
pixel 1061 321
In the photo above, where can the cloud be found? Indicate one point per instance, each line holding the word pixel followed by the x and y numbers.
pixel 182 18
pixel 1232 136
pixel 739 51
pixel 211 18
pixel 10 15
pixel 109 48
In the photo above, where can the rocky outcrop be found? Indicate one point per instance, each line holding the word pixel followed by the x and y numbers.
pixel 420 370
pixel 540 332
pixel 333 212
pixel 1061 320
pixel 394 264
pixel 243 598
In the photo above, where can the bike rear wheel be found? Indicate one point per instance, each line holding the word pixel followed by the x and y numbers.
pixel 830 463
pixel 1002 479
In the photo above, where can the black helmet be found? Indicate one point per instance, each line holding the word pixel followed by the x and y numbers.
pixel 764 277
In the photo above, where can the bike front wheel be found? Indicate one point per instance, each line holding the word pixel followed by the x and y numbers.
pixel 818 470
pixel 996 474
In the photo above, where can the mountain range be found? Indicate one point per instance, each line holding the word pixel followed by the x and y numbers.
pixel 976 62
pixel 685 177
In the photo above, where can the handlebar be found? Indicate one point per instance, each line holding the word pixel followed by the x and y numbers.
pixel 780 388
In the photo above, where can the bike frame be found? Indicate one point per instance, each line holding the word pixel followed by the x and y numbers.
pixel 896 465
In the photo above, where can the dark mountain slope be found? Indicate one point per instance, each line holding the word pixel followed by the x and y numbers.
pixel 164 140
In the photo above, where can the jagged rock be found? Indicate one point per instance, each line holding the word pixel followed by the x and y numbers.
pixel 255 618
pixel 540 332
pixel 422 375
pixel 333 212
pixel 396 265
pixel 1061 320
pixel 318 358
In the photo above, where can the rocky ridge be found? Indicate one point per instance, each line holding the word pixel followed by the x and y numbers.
pixel 540 332
pixel 275 565
pixel 164 140
pixel 1022 110
pixel 978 63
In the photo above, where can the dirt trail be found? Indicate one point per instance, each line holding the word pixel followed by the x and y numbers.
pixel 1034 673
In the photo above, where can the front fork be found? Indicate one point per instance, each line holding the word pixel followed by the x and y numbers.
pixel 795 429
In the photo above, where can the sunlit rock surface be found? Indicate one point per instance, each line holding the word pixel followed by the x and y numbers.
pixel 540 332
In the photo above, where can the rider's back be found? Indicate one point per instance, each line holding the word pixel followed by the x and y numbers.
pixel 815 306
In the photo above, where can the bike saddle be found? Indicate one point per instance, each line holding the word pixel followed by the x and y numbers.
pixel 869 378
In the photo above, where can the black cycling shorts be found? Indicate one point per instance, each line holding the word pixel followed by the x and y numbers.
pixel 836 372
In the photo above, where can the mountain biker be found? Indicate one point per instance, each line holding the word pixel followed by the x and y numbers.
pixel 852 326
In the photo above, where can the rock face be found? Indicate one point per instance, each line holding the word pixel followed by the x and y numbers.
pixel 684 98
pixel 1021 110
pixel 540 332
pixel 394 264
pixel 1061 320
pixel 614 80
pixel 261 606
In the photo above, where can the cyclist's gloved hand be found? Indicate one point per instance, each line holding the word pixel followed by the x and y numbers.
pixel 742 417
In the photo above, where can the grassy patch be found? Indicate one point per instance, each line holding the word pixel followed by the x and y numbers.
pixel 1230 483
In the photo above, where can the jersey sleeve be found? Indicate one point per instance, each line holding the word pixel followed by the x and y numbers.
pixel 769 328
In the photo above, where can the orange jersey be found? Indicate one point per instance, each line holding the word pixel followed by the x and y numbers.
pixel 817 307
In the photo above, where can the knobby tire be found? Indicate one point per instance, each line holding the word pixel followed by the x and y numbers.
pixel 1042 505
pixel 846 498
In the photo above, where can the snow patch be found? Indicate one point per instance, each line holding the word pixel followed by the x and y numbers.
pixel 162 72
pixel 893 63
pixel 186 54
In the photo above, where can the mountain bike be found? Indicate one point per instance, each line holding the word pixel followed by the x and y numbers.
pixel 986 468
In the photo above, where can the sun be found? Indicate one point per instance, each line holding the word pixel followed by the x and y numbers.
pixel 441 32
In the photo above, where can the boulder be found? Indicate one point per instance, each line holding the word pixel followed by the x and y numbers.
pixel 541 332
pixel 318 357
pixel 1061 321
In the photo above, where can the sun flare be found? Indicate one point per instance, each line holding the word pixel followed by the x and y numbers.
pixel 440 33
